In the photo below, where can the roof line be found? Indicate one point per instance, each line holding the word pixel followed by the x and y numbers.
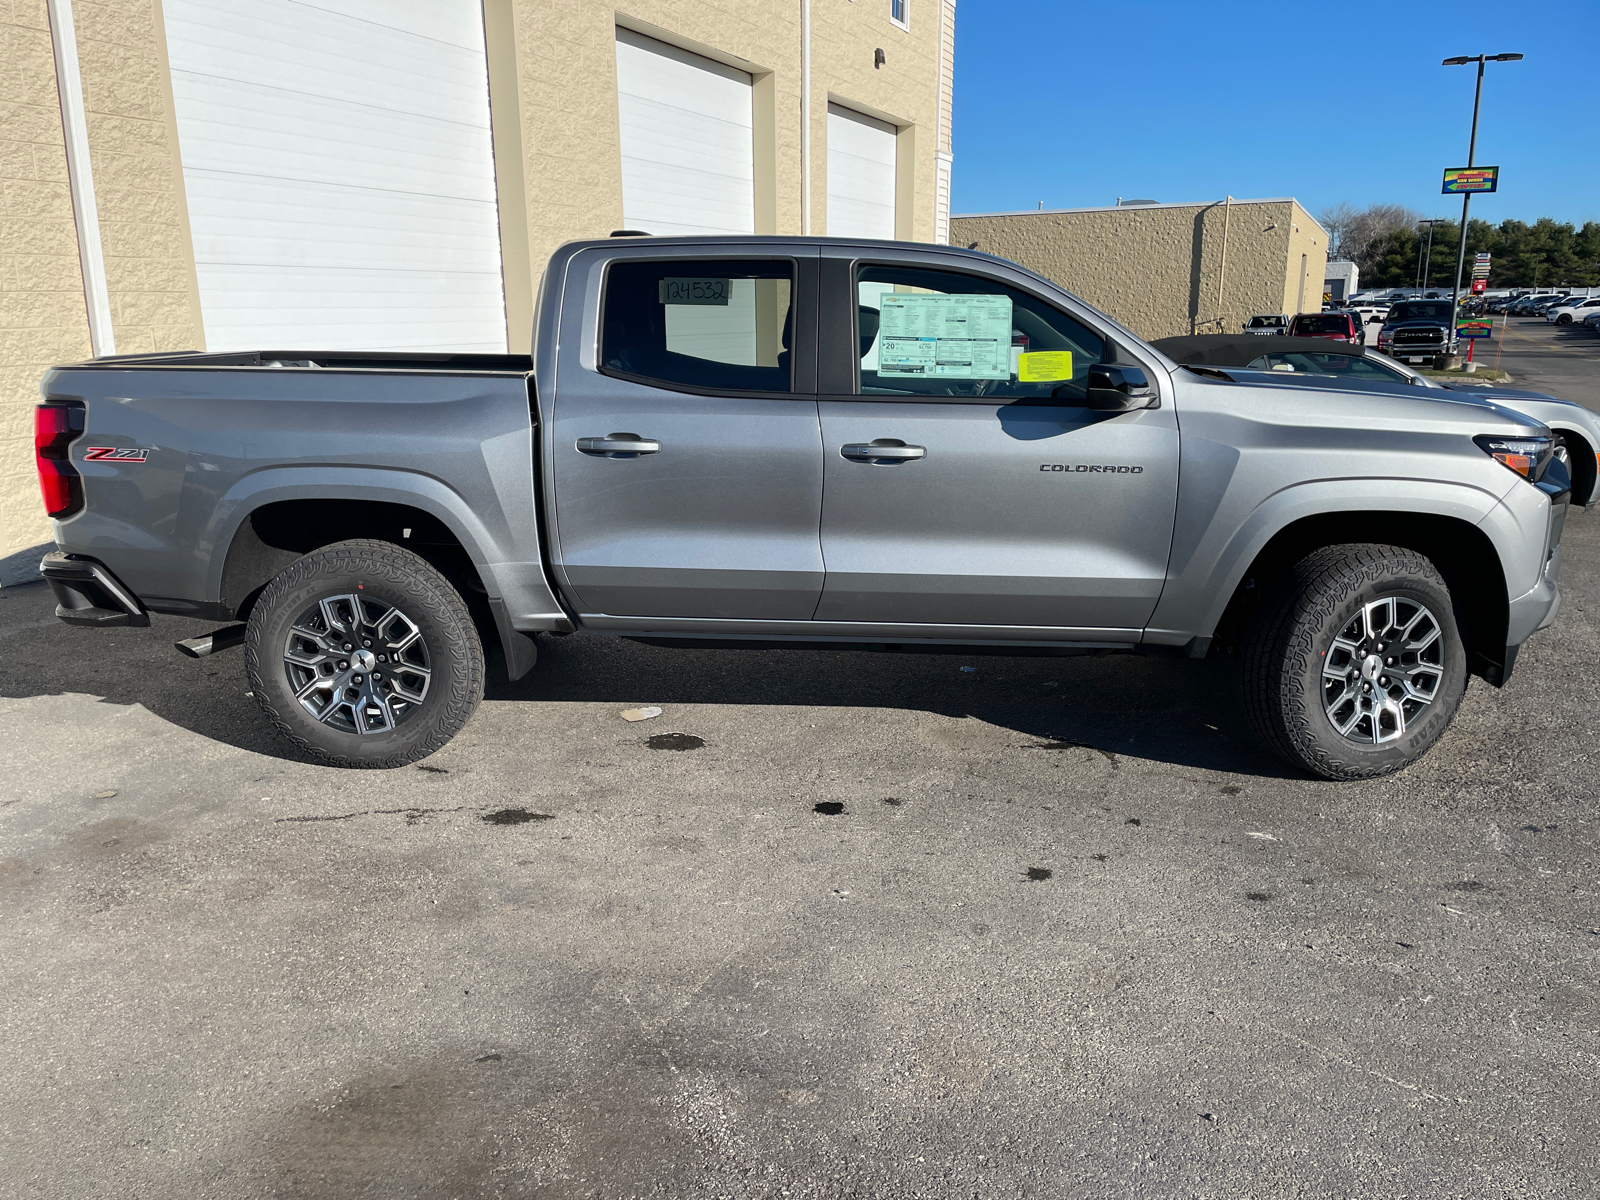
pixel 1045 212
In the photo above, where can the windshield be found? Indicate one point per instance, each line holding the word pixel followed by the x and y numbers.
pixel 1420 310
pixel 1265 322
pixel 1345 366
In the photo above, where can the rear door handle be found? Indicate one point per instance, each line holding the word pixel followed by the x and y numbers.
pixel 618 445
pixel 882 450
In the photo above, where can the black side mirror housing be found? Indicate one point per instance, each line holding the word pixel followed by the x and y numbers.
pixel 1119 388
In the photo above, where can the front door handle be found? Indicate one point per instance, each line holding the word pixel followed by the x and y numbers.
pixel 882 450
pixel 618 445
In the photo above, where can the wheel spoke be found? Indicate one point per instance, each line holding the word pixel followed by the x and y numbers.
pixel 400 685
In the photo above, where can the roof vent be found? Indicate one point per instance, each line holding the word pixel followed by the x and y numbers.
pixel 1121 203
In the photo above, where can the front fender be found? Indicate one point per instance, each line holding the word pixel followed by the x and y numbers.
pixel 1205 575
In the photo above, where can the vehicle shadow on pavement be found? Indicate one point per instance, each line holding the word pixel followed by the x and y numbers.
pixel 1166 710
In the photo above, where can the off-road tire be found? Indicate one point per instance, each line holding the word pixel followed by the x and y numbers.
pixel 389 575
pixel 1288 639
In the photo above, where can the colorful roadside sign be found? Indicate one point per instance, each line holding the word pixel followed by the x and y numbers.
pixel 1479 286
pixel 1474 329
pixel 1480 266
pixel 1470 179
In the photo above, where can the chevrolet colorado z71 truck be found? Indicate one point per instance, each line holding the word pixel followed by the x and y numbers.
pixel 760 441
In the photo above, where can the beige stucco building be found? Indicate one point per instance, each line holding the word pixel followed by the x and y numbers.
pixel 1168 269
pixel 393 173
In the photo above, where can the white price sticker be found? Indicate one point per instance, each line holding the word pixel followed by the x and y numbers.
pixel 948 337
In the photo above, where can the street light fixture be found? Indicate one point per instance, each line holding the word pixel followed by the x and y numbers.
pixel 1472 149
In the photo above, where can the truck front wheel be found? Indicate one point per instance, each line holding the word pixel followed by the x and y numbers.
pixel 363 655
pixel 1354 665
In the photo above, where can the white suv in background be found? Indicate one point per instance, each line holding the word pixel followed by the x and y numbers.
pixel 1575 309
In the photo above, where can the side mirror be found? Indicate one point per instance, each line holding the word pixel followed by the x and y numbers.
pixel 1118 388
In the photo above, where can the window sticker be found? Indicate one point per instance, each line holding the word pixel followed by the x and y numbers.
pixel 694 291
pixel 1044 366
pixel 948 337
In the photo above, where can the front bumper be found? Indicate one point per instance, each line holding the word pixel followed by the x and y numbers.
pixel 87 593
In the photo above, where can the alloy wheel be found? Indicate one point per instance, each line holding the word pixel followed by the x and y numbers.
pixel 1382 670
pixel 357 664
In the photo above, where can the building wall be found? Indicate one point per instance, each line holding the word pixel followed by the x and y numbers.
pixel 1158 269
pixel 143 224
pixel 138 176
pixel 42 315
pixel 564 87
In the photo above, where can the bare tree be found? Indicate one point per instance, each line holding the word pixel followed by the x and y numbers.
pixel 1359 235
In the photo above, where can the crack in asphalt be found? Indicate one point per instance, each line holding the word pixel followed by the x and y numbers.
pixel 411 814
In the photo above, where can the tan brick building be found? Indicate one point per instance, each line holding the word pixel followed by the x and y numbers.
pixel 393 173
pixel 1168 269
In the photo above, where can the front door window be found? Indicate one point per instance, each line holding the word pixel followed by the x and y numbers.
pixel 943 333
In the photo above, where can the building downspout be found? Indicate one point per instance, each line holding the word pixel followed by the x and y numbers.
pixel 85 214
pixel 805 117
pixel 1222 275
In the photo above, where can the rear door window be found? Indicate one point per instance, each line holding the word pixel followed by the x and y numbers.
pixel 926 332
pixel 707 325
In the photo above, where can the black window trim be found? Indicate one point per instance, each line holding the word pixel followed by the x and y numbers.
pixel 796 287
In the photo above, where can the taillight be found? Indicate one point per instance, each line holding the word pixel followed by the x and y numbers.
pixel 1527 456
pixel 55 426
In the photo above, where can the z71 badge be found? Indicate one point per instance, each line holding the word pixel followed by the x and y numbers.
pixel 115 454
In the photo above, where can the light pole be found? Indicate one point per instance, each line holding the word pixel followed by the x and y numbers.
pixel 1472 149
pixel 1424 265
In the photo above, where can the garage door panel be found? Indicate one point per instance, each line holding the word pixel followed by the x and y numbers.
pixel 861 175
pixel 687 140
pixel 319 297
pixel 413 74
pixel 402 154
pixel 339 171
pixel 295 226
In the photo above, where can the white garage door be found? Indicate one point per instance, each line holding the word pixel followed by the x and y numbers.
pixel 688 149
pixel 861 169
pixel 339 171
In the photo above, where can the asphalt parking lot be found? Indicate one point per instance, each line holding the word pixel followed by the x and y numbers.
pixel 832 925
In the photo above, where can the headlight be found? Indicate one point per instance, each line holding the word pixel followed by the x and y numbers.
pixel 1527 456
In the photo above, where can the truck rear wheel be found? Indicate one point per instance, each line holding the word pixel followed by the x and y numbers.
pixel 363 655
pixel 1354 665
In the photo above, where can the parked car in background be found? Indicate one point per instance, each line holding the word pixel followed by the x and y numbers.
pixel 1371 317
pixel 1572 309
pixel 1416 330
pixel 1577 428
pixel 1339 326
pixel 1592 323
pixel 1529 306
pixel 1267 324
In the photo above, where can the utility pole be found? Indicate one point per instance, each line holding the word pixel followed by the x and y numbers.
pixel 1423 266
pixel 1466 197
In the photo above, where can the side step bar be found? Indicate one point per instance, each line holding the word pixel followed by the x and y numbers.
pixel 225 638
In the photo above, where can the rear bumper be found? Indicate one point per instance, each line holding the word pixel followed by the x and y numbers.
pixel 87 593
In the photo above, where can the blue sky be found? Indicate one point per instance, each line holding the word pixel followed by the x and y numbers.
pixel 1077 102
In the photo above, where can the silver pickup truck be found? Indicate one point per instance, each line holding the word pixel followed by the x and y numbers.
pixel 806 442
